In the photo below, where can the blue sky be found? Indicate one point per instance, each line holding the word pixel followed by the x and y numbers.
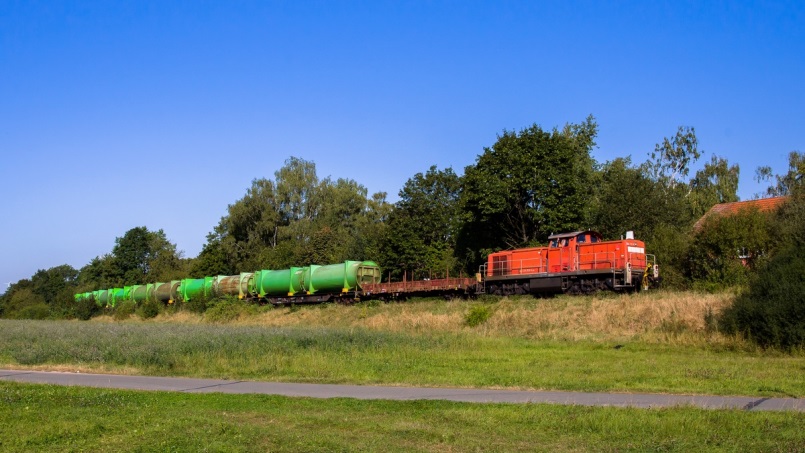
pixel 120 114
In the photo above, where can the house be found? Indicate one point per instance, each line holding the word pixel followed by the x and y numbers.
pixel 725 209
pixel 766 205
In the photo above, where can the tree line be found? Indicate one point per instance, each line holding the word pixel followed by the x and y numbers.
pixel 529 184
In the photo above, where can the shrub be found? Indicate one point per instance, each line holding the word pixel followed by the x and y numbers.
pixel 38 311
pixel 197 304
pixel 772 312
pixel 85 309
pixel 124 310
pixel 228 309
pixel 148 309
pixel 478 315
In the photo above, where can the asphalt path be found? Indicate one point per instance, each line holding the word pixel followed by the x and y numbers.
pixel 365 392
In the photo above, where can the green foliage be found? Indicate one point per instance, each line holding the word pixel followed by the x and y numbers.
pixel 716 183
pixel 670 244
pixel 124 310
pixel 627 199
pixel 84 309
pixel 142 255
pixel 212 260
pixel 196 304
pixel 526 186
pixel 296 219
pixel 22 302
pixel 138 256
pixel 32 311
pixel 49 284
pixel 477 315
pixel 101 272
pixel 48 293
pixel 423 227
pixel 149 309
pixel 727 248
pixel 227 309
pixel 671 160
pixel 772 312
pixel 786 184
pixel 789 221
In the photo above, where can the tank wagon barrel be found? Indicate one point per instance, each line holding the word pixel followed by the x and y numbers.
pixel 312 283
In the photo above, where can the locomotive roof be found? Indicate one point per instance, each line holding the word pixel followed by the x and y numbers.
pixel 574 234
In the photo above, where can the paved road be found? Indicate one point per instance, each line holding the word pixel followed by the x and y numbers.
pixel 402 393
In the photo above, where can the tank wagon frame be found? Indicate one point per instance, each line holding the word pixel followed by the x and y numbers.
pixel 580 262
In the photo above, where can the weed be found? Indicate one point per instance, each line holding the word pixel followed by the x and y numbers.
pixel 710 321
pixel 478 315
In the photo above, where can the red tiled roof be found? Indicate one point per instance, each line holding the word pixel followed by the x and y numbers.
pixel 762 205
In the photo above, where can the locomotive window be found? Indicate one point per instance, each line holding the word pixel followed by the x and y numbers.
pixel 582 238
pixel 554 243
pixel 593 239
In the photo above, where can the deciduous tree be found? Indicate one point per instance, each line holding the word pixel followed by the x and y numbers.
pixel 528 185
pixel 423 227
pixel 716 183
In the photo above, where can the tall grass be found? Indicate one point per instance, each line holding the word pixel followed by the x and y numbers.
pixel 657 316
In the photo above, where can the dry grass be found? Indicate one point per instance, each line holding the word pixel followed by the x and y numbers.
pixel 665 317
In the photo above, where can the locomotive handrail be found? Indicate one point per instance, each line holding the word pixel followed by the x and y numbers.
pixel 582 261
pixel 640 263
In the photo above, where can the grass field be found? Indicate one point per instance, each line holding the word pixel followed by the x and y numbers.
pixel 660 342
pixel 48 418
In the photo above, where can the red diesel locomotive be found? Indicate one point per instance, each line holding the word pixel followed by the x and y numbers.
pixel 576 263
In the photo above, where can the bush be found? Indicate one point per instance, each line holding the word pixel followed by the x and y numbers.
pixel 85 309
pixel 196 304
pixel 772 312
pixel 38 311
pixel 228 309
pixel 149 309
pixel 124 310
pixel 478 315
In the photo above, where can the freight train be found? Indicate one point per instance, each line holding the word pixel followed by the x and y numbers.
pixel 575 263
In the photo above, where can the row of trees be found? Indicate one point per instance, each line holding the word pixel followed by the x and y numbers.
pixel 138 256
pixel 527 185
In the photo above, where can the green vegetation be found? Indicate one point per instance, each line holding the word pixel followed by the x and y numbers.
pixel 772 313
pixel 478 315
pixel 651 343
pixel 47 418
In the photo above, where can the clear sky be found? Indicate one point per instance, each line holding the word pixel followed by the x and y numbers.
pixel 121 114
